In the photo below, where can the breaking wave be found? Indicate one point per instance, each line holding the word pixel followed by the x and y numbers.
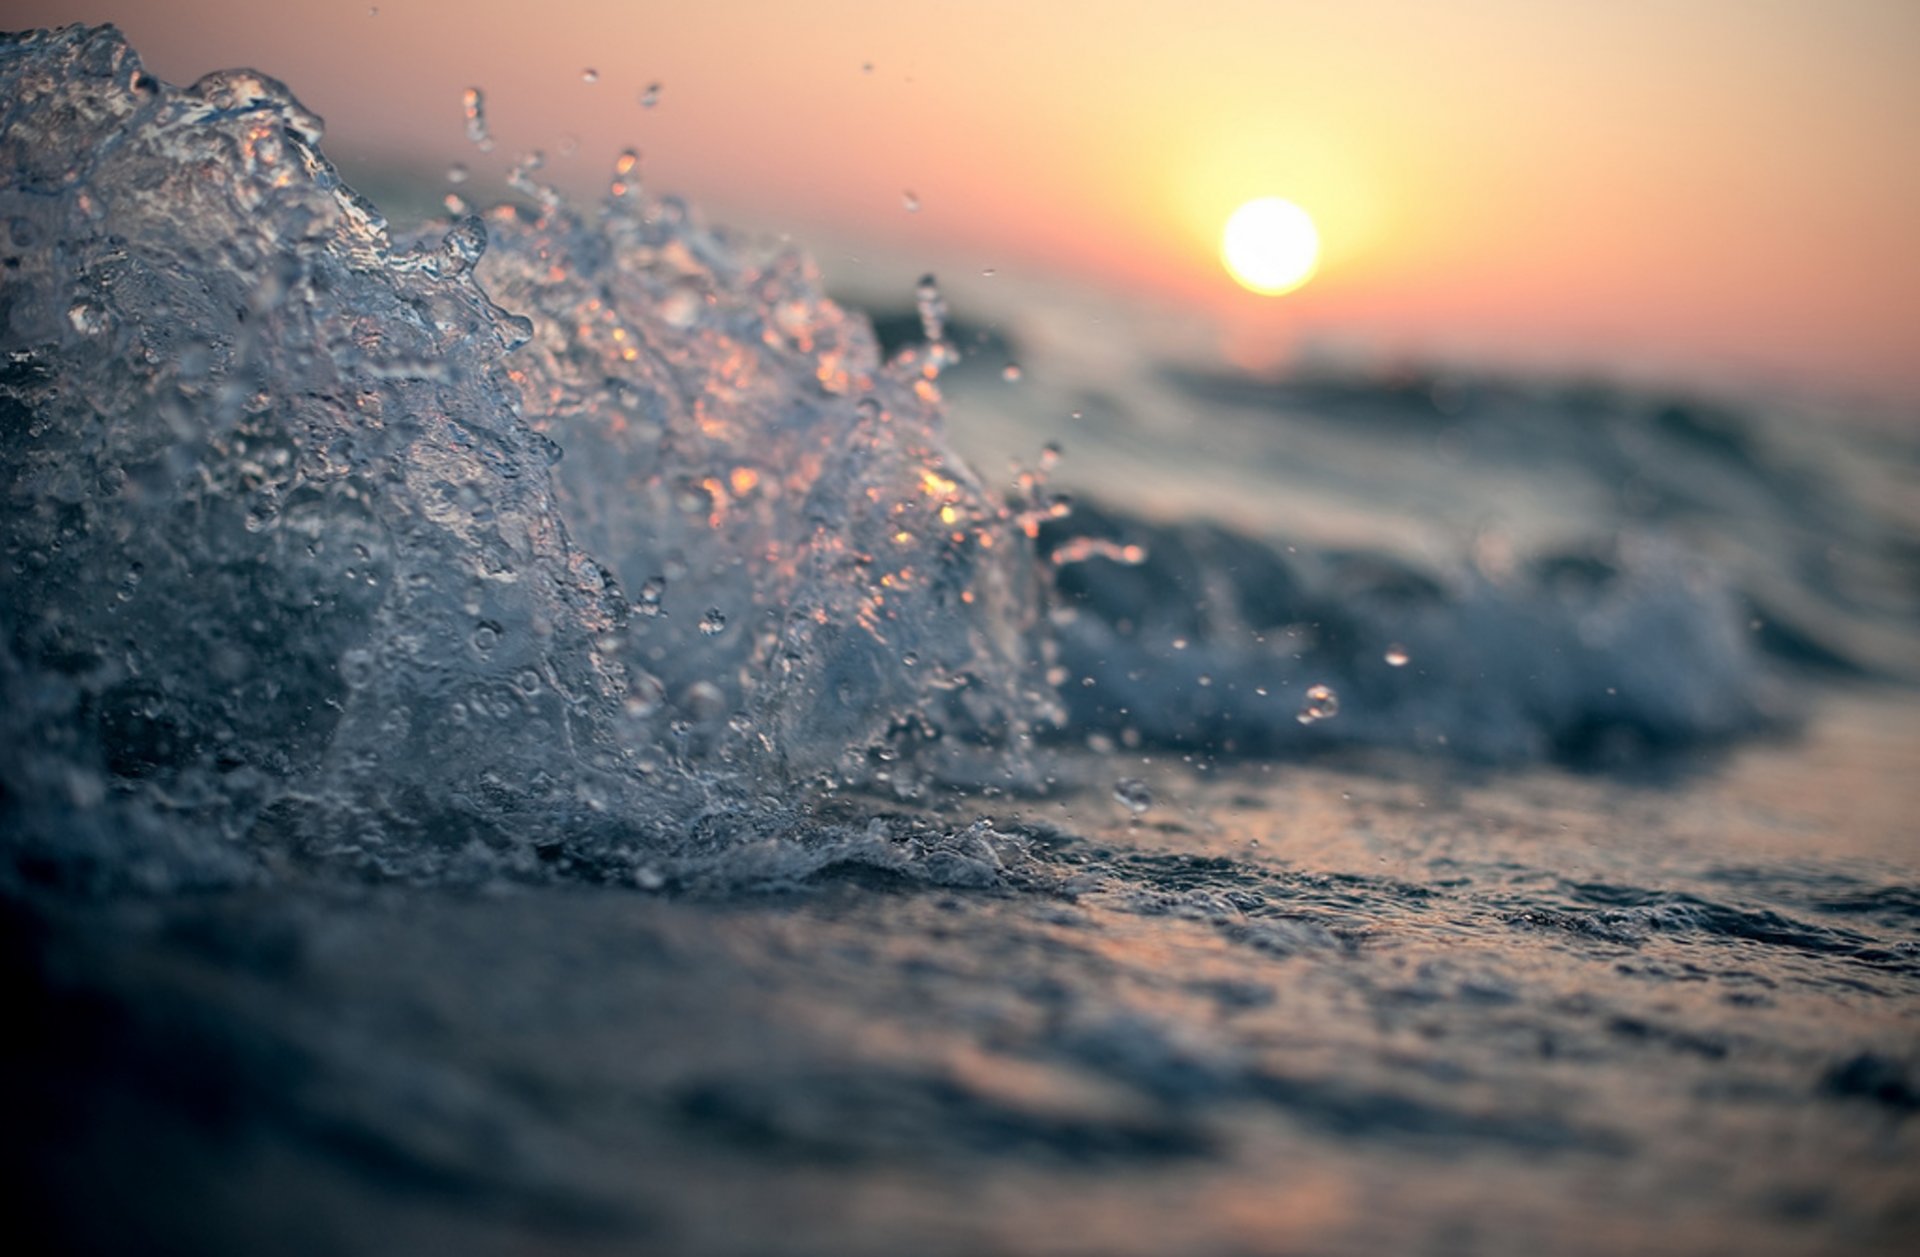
pixel 599 539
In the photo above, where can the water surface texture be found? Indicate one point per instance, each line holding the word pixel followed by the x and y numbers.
pixel 526 733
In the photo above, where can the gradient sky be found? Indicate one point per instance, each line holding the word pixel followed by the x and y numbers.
pixel 1723 188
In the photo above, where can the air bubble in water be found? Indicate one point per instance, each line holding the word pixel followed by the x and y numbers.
pixel 1133 794
pixel 1397 656
pixel 474 102
pixel 645 693
pixel 647 603
pixel 1321 703
pixel 651 96
pixel 713 623
pixel 357 669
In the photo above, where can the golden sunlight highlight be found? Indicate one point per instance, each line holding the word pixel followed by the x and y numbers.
pixel 1270 246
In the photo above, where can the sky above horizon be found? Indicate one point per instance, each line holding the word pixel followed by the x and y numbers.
pixel 1717 189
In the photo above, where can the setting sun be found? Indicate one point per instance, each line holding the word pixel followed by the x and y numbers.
pixel 1270 246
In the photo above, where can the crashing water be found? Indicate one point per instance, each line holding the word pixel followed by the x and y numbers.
pixel 605 527
pixel 292 550
pixel 415 646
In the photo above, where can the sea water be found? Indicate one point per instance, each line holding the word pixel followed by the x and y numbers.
pixel 526 732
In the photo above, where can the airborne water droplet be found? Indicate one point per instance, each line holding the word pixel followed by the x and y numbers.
pixel 910 201
pixel 1321 703
pixel 713 623
pixel 457 173
pixel 652 590
pixel 623 177
pixel 589 75
pixel 474 102
pixel 1397 656
pixel 933 309
pixel 650 97
pixel 1011 373
pixel 1133 794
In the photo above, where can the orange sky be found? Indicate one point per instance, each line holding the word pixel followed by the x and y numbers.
pixel 1714 188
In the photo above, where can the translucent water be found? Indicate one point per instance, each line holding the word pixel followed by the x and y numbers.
pixel 975 868
pixel 605 521
pixel 377 611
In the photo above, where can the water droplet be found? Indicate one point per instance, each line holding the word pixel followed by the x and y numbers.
pixel 521 179
pixel 713 623
pixel 866 67
pixel 474 102
pixel 652 590
pixel 910 201
pixel 705 701
pixel 1397 656
pixel 589 75
pixel 624 178
pixel 933 309
pixel 1320 704
pixel 651 96
pixel 1133 794
pixel 486 636
pixel 457 173
pixel 1011 373
pixel 87 319
pixel 988 272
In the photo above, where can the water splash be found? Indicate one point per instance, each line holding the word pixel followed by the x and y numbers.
pixel 473 102
pixel 378 618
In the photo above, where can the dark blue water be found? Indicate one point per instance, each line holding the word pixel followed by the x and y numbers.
pixel 527 734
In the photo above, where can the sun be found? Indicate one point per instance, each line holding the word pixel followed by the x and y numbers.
pixel 1270 246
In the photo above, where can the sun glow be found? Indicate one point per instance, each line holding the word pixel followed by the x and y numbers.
pixel 1270 246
